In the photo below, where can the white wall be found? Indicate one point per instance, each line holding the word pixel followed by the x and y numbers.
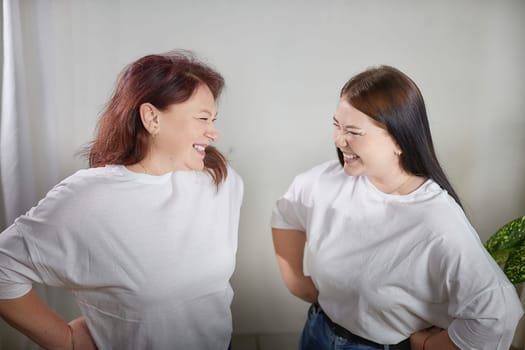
pixel 284 63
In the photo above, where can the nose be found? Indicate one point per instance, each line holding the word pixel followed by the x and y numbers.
pixel 212 132
pixel 340 140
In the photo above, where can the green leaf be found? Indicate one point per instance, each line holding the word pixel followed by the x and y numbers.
pixel 515 266
pixel 501 256
pixel 511 235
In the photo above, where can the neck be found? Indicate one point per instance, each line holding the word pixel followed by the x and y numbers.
pixel 156 165
pixel 403 183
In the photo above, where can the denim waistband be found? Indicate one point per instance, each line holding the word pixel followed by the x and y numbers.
pixel 345 333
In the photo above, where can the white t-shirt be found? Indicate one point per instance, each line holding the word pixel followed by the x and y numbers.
pixel 387 266
pixel 148 258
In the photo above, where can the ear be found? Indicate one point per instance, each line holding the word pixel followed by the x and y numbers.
pixel 149 115
pixel 397 150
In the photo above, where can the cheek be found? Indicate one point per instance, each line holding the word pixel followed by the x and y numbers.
pixel 180 133
pixel 370 152
pixel 172 141
pixel 359 146
pixel 382 153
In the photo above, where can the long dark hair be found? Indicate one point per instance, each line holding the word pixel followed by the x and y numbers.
pixel 390 97
pixel 161 80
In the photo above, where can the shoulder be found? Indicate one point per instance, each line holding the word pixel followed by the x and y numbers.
pixel 456 244
pixel 77 189
pixel 329 169
pixel 96 175
pixel 66 203
pixel 446 220
pixel 86 181
pixel 234 177
pixel 444 216
pixel 304 185
pixel 233 183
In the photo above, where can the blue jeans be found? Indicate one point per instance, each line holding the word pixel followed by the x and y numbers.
pixel 317 335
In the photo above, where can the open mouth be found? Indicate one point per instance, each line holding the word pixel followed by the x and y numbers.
pixel 348 157
pixel 199 148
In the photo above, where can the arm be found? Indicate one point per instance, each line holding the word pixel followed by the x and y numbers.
pixel 289 248
pixel 33 318
pixel 433 338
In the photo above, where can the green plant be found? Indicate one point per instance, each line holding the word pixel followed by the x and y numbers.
pixel 507 247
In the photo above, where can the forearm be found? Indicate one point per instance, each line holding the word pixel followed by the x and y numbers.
pixel 289 248
pixel 37 321
pixel 304 288
pixel 432 339
pixel 440 341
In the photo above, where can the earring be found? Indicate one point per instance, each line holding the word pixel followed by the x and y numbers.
pixel 397 153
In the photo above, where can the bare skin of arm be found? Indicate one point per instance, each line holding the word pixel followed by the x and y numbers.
pixel 37 321
pixel 436 339
pixel 289 248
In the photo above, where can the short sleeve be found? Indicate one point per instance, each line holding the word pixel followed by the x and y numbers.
pixel 482 303
pixel 39 247
pixel 290 212
pixel 237 186
pixel 488 321
pixel 17 272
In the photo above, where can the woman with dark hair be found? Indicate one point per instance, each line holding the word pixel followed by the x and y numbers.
pixel 393 262
pixel 146 237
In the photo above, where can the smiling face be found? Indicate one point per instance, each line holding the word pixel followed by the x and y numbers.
pixel 367 147
pixel 181 132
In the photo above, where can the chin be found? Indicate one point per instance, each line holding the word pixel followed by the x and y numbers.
pixel 351 171
pixel 196 166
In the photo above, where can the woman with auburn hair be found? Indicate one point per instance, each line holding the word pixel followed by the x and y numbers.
pixel 145 239
pixel 393 261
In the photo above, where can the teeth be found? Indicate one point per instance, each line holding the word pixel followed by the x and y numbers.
pixel 199 148
pixel 350 156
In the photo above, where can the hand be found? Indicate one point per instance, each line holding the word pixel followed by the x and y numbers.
pixel 82 339
pixel 418 339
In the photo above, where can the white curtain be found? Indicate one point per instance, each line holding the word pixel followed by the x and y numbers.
pixel 18 183
pixel 26 132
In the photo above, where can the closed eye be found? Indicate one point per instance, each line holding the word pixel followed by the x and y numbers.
pixel 205 119
pixel 347 131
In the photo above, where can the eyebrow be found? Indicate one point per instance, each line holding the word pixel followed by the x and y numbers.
pixel 208 112
pixel 347 126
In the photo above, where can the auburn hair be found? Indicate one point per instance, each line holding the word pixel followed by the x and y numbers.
pixel 161 80
pixel 391 98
